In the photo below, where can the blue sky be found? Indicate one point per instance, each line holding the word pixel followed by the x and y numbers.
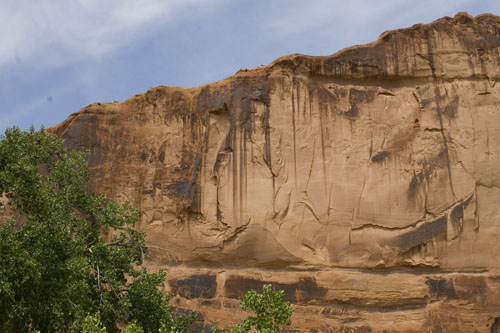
pixel 57 56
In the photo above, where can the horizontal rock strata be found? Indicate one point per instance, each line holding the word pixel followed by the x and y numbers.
pixel 347 300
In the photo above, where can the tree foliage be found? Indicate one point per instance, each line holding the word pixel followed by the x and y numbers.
pixel 270 309
pixel 93 324
pixel 69 252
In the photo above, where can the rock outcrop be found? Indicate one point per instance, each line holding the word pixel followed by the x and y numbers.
pixel 366 184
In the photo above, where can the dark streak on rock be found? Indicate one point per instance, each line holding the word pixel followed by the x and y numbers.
pixel 457 213
pixel 420 234
pixel 421 178
pixel 426 102
pixel 378 157
pixel 440 288
pixel 361 96
pixel 214 304
pixel 223 155
pixel 267 146
pixel 475 289
pixel 304 290
pixel 414 186
pixel 450 110
pixel 352 112
pixel 196 286
pixel 357 97
pixel 161 157
pixel 178 189
pixel 188 189
pixel 496 326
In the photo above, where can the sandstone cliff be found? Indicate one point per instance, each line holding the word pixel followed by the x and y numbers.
pixel 366 183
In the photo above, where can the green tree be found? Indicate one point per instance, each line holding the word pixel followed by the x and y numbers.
pixel 92 324
pixel 69 252
pixel 133 328
pixel 270 309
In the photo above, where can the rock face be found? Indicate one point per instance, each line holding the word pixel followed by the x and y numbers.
pixel 366 184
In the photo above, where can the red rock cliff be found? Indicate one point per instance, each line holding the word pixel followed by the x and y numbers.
pixel 366 184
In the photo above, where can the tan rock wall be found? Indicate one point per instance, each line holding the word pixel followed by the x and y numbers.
pixel 381 157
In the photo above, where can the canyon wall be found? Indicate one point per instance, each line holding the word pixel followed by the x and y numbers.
pixel 366 184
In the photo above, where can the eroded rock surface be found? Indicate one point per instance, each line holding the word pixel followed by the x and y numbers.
pixel 366 184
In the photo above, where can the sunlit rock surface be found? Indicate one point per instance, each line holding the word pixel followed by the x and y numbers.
pixel 366 184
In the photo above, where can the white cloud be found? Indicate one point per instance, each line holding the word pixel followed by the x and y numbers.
pixel 350 17
pixel 61 32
